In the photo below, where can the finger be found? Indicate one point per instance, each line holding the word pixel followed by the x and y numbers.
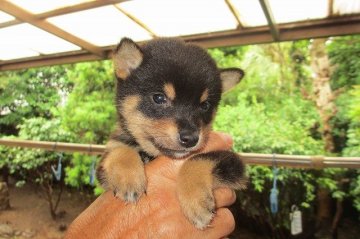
pixel 224 197
pixel 222 225
pixel 218 141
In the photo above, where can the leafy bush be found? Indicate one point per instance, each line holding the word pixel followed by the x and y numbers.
pixel 263 128
pixel 89 110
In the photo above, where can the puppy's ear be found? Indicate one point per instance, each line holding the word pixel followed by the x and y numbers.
pixel 126 57
pixel 230 77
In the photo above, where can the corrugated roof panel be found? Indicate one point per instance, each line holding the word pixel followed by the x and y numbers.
pixel 298 10
pixel 176 17
pixel 4 17
pixel 250 13
pixel 25 40
pixel 343 7
pixel 101 26
pixel 40 6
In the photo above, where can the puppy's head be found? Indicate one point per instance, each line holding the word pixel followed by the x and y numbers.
pixel 167 94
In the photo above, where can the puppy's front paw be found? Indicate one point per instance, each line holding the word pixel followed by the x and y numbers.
pixel 198 205
pixel 195 185
pixel 127 184
pixel 122 172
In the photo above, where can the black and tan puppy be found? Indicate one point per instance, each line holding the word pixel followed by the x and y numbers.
pixel 166 97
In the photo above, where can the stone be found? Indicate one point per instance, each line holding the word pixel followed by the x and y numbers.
pixel 6 231
pixel 4 196
pixel 17 233
pixel 28 233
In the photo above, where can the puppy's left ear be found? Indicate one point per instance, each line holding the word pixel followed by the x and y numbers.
pixel 230 77
pixel 126 57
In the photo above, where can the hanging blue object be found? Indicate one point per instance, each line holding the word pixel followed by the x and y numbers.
pixel 57 172
pixel 274 191
pixel 92 171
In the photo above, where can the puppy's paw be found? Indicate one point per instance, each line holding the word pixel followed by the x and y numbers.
pixel 195 185
pixel 127 184
pixel 122 172
pixel 198 206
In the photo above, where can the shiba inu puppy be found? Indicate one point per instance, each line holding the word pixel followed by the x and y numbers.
pixel 166 97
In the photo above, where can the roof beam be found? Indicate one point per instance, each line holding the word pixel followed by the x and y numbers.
pixel 270 19
pixel 77 8
pixel 137 21
pixel 330 7
pixel 9 23
pixel 26 16
pixel 66 10
pixel 235 13
pixel 289 32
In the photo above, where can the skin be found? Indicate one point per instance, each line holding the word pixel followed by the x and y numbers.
pixel 157 214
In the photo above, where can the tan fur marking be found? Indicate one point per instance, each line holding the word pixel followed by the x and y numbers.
pixel 195 185
pixel 124 172
pixel 170 91
pixel 195 173
pixel 164 128
pixel 113 144
pixel 127 58
pixel 229 79
pixel 138 123
pixel 122 155
pixel 204 96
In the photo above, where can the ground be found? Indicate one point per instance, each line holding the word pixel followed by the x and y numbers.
pixel 29 213
pixel 29 216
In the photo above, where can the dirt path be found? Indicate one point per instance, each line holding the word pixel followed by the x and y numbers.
pixel 29 213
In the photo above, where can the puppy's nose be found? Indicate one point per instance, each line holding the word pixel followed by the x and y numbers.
pixel 188 138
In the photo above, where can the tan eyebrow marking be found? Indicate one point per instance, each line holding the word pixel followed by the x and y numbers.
pixel 204 95
pixel 169 91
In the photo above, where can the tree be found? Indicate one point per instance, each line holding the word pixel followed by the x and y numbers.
pixel 35 165
pixel 30 93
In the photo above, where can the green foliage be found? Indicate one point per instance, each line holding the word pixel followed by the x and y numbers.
pixel 355 189
pixel 258 128
pixel 353 134
pixel 25 161
pixel 344 53
pixel 228 56
pixel 30 93
pixel 266 113
pixel 78 174
pixel 89 111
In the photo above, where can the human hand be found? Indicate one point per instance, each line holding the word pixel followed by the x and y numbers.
pixel 157 214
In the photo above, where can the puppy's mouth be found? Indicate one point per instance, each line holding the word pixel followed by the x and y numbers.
pixel 173 153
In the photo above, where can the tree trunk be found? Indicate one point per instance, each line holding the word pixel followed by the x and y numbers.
pixel 5 174
pixel 324 98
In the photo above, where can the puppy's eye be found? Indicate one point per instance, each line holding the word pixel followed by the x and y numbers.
pixel 159 98
pixel 205 106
